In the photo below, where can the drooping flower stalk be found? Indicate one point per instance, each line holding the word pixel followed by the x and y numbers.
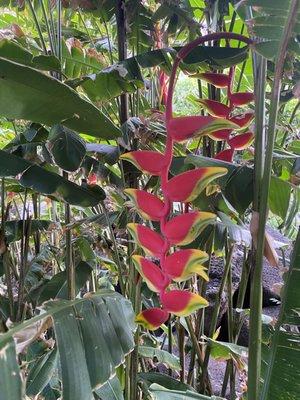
pixel 179 230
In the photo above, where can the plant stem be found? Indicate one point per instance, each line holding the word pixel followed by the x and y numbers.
pixel 259 72
pixel 122 52
pixel 37 26
pixel 256 287
pixel 4 253
pixel 216 310
pixel 181 347
pixel 116 251
pixel 238 321
pixel 230 333
pixel 47 27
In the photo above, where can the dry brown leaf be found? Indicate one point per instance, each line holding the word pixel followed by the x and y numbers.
pixel 29 334
pixel 269 250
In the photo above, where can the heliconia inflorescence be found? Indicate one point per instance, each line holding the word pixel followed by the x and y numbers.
pixel 219 110
pixel 168 264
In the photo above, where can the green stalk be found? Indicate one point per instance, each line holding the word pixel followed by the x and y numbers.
pixel 52 28
pixel 5 253
pixel 170 342
pixel 197 348
pixel 214 318
pixel 238 321
pixel 59 32
pixel 181 348
pixel 230 333
pixel 37 26
pixel 69 256
pixel 254 367
pixel 201 313
pixel 47 27
pixel 69 262
pixel 116 251
pixel 135 354
pixel 260 68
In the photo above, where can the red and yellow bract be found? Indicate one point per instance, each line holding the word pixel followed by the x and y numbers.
pixel 149 206
pixel 177 229
pixel 187 186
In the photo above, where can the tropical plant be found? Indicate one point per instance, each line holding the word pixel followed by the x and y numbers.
pixel 144 149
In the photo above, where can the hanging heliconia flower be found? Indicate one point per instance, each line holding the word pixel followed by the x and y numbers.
pixel 223 111
pixel 169 265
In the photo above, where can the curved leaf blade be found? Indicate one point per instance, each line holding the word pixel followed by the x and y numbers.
pixel 26 93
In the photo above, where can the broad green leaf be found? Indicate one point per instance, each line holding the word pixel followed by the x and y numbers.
pixel 164 380
pixel 282 364
pixel 35 134
pixel 216 57
pixel 126 76
pixel 41 372
pixel 226 351
pixel 26 93
pixel 111 390
pixel 162 356
pixel 10 379
pixel 93 336
pixel 48 183
pixel 66 147
pixel 239 189
pixel 294 147
pixel 112 81
pixel 279 197
pixel 108 153
pixel 14 52
pixel 236 233
pixel 50 393
pixel 160 393
pixel 269 23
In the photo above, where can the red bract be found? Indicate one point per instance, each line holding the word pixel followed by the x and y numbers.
pixel 152 318
pixel 150 241
pixel 184 228
pixel 183 264
pixel 242 141
pixel 151 273
pixel 149 162
pixel 150 207
pixel 181 302
pixel 222 134
pixel 225 155
pixel 215 108
pixel 187 186
pixel 218 80
pixel 243 120
pixel 183 128
pixel 92 179
pixel 241 98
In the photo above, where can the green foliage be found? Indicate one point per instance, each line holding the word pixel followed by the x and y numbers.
pixel 46 182
pixel 101 329
pixel 66 147
pixel 26 93
pixel 65 92
pixel 268 25
pixel 282 363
